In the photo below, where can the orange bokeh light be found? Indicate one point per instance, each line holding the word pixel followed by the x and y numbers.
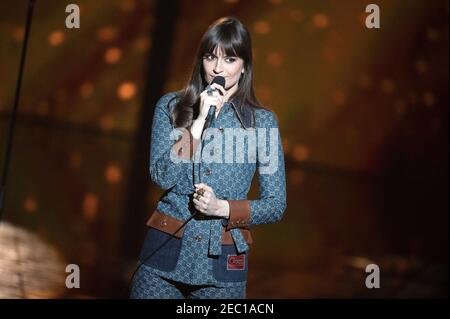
pixel 113 55
pixel 320 20
pixel 90 206
pixel 56 38
pixel 126 90
pixel 113 173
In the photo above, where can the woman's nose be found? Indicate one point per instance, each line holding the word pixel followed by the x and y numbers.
pixel 217 68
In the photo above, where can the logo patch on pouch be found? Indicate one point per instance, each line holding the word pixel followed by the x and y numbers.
pixel 235 262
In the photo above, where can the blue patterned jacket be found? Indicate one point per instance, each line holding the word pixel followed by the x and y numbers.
pixel 205 251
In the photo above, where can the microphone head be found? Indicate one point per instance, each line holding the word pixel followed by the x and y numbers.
pixel 219 80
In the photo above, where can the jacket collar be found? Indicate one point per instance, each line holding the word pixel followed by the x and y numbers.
pixel 244 113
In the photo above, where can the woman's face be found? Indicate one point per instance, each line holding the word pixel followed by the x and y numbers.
pixel 218 63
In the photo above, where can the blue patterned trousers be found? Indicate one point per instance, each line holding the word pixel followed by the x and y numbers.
pixel 148 285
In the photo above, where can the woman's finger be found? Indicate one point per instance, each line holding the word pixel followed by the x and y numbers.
pixel 204 200
pixel 200 203
pixel 219 87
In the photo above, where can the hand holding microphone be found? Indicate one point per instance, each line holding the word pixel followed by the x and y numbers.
pixel 210 99
pixel 212 96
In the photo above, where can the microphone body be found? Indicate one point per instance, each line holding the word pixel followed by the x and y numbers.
pixel 212 108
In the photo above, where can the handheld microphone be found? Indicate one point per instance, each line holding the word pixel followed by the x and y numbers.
pixel 218 80
pixel 212 108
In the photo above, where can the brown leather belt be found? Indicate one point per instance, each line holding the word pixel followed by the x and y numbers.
pixel 169 224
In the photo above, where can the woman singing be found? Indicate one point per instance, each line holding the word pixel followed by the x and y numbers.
pixel 207 143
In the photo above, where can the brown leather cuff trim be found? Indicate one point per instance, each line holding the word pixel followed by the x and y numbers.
pixel 165 223
pixel 227 239
pixel 239 214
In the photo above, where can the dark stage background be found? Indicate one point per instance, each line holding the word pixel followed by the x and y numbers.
pixel 364 122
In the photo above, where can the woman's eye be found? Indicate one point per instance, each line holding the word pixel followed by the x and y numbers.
pixel 209 57
pixel 230 60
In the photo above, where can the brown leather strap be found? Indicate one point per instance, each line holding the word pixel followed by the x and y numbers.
pixel 169 224
pixel 165 223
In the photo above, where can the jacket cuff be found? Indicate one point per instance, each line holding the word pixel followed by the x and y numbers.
pixel 186 145
pixel 239 214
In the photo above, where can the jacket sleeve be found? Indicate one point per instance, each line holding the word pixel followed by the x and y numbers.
pixel 170 147
pixel 271 204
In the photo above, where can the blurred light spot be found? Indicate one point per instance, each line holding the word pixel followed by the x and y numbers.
pixel 286 145
pixel 300 152
pixel 90 206
pixel 338 97
pixel 86 90
pixel 127 5
pixel 329 54
pixel 401 264
pixel 262 27
pixel 264 92
pixel 126 90
pixel 359 262
pixel 112 55
pixel 275 59
pixel 387 86
pixel 365 81
pixel 142 44
pixel 42 109
pixel 432 35
pixel 29 267
pixel 30 205
pixel 75 159
pixel 56 38
pixel 107 122
pixel 113 173
pixel 18 34
pixel 172 85
pixel 106 34
pixel 296 15
pixel 421 67
pixel 428 98
pixel 400 106
pixel 296 176
pixel 320 20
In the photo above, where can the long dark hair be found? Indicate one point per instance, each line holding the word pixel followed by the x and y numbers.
pixel 233 38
